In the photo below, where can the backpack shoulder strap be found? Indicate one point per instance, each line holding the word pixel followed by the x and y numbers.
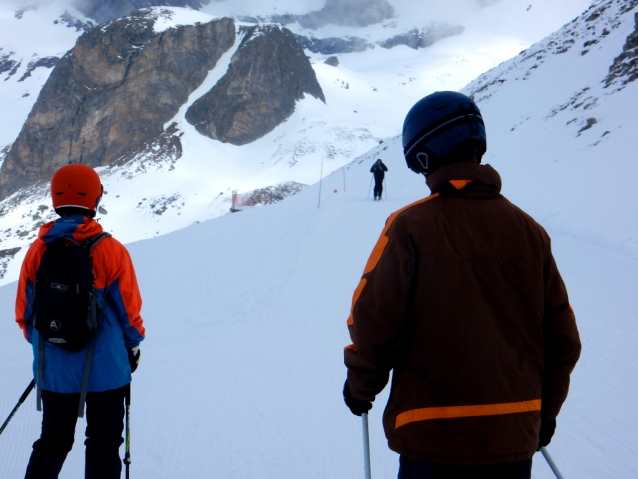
pixel 40 373
pixel 87 373
pixel 92 241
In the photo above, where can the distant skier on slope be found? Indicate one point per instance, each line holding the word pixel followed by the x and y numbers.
pixel 60 283
pixel 378 169
pixel 462 300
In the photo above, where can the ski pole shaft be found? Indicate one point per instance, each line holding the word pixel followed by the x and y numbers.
pixel 23 398
pixel 366 446
pixel 551 463
pixel 127 454
pixel 370 188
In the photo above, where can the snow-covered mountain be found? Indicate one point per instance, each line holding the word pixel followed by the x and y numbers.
pixel 367 95
pixel 242 370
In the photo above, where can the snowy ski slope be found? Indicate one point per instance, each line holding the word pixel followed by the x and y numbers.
pixel 242 370
pixel 366 98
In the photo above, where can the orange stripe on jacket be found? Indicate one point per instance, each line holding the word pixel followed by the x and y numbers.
pixel 377 252
pixel 459 184
pixel 425 414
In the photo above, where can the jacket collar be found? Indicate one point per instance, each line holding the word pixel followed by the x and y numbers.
pixel 76 227
pixel 459 175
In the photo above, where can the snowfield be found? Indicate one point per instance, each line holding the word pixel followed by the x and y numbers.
pixel 367 96
pixel 242 371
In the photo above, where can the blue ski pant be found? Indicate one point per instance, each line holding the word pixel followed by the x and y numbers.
pixel 105 424
pixel 412 469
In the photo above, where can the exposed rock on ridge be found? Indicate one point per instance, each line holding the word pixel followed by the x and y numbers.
pixel 357 13
pixel 105 10
pixel 348 13
pixel 112 94
pixel 415 39
pixel 424 38
pixel 625 66
pixel 267 75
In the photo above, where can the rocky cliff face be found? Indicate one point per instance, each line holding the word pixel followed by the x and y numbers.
pixel 415 39
pixel 351 13
pixel 105 10
pixel 624 70
pixel 267 75
pixel 112 94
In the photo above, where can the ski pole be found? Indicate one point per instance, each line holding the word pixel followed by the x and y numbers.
pixel 385 187
pixel 551 463
pixel 127 454
pixel 23 398
pixel 370 188
pixel 366 446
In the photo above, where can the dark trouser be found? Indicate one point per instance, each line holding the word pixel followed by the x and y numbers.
pixel 105 423
pixel 412 469
pixel 378 188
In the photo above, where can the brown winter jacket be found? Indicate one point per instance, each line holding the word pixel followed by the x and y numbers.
pixel 461 297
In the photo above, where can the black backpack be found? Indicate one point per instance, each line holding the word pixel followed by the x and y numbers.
pixel 64 295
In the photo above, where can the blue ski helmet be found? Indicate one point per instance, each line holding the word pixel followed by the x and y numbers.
pixel 438 123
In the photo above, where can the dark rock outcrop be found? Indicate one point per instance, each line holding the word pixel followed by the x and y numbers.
pixel 333 45
pixel 6 255
pixel 47 62
pixel 332 61
pixel 417 38
pixel 625 66
pixel 71 22
pixel 112 94
pixel 105 10
pixel 7 64
pixel 267 75
pixel 349 13
pixel 424 38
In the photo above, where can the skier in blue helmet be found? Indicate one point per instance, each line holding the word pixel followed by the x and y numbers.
pixel 462 301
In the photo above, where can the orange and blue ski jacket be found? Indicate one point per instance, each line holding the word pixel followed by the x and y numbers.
pixel 120 324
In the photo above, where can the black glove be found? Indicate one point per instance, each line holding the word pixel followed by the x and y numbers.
pixel 357 407
pixel 134 357
pixel 548 426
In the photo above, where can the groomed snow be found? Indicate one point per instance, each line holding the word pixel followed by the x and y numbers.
pixel 242 370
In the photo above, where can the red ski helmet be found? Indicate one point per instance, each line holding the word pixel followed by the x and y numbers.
pixel 76 186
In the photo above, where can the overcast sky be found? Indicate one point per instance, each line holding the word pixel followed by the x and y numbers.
pixel 529 20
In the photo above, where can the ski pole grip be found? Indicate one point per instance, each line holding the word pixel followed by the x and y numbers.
pixel 27 391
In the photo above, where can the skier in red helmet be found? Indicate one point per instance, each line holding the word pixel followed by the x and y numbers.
pixel 72 268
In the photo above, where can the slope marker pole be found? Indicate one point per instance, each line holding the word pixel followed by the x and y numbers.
pixel 320 182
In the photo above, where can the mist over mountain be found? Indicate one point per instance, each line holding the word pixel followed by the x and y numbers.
pixel 105 10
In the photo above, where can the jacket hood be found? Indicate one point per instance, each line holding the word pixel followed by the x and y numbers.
pixel 459 175
pixel 75 227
